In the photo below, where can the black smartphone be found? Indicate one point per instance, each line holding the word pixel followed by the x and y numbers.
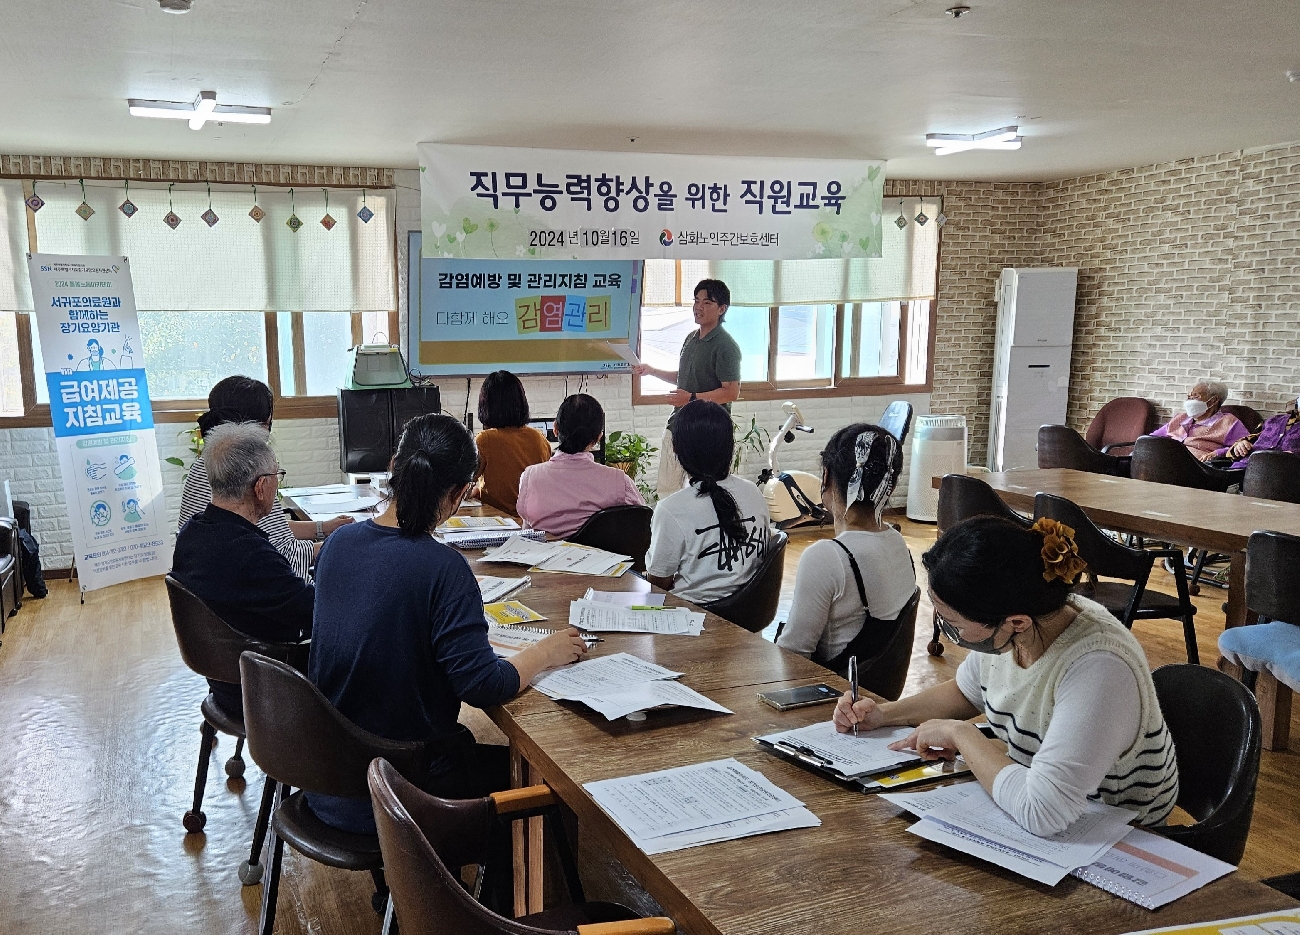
pixel 800 697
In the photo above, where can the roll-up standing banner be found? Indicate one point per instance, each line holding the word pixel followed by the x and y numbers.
pixel 491 202
pixel 103 422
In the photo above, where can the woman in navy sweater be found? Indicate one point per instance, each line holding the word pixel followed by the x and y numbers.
pixel 399 639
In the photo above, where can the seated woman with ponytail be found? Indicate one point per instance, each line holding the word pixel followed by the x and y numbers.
pixel 864 576
pixel 707 539
pixel 398 638
pixel 1066 689
pixel 243 399
pixel 559 495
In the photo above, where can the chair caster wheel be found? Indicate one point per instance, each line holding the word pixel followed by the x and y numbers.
pixel 194 822
pixel 935 648
pixel 235 767
pixel 1193 589
pixel 250 874
pixel 379 902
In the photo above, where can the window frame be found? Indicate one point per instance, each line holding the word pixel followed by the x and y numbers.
pixel 298 406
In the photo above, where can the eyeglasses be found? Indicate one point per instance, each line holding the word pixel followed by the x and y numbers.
pixel 953 634
pixel 280 475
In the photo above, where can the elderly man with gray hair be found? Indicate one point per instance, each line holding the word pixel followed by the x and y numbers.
pixel 228 562
pixel 1203 427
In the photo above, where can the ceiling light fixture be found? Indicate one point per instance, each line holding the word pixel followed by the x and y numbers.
pixel 956 12
pixel 947 143
pixel 1293 75
pixel 203 109
pixel 175 6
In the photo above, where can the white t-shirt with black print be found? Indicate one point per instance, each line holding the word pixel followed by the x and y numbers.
pixel 686 542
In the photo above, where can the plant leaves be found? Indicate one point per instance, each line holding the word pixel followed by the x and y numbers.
pixel 176 461
pixel 872 173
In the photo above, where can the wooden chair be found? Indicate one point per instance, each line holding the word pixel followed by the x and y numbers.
pixel 303 742
pixel 754 605
pixel 211 648
pixel 1060 446
pixel 960 498
pixel 1272 475
pixel 884 651
pixel 624 530
pixel 1120 423
pixel 1163 460
pixel 426 840
pixel 1105 556
pixel 897 419
pixel 1268 653
pixel 1247 416
pixel 1215 727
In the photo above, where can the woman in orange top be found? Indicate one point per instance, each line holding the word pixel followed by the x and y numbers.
pixel 506 445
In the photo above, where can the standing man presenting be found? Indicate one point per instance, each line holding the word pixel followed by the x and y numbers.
pixel 709 368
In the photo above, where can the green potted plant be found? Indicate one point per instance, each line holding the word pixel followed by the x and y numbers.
pixel 196 447
pixel 629 452
pixel 755 439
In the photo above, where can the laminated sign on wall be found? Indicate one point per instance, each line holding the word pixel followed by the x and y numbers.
pixel 492 202
pixel 103 422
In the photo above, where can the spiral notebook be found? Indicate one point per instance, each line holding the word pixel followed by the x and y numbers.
pixel 1151 870
pixel 488 539
pixel 507 640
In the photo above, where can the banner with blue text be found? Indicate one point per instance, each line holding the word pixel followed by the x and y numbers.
pixel 103 422
pixel 492 202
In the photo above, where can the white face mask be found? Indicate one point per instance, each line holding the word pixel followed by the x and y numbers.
pixel 1195 407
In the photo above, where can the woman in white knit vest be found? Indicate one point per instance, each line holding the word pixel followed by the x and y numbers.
pixel 1066 689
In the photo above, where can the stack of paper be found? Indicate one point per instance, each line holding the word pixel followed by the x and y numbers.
pixel 297 492
pixel 510 612
pixel 456 523
pixel 487 538
pixel 688 806
pixel 823 746
pixel 1282 922
pixel 506 641
pixel 495 589
pixel 619 684
pixel 1152 871
pixel 966 818
pixel 337 500
pixel 559 556
pixel 609 618
pixel 626 598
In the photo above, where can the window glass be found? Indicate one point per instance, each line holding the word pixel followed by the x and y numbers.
pixel 38 365
pixel 185 353
pixel 326 339
pixel 805 342
pixel 918 341
pixel 284 337
pixel 664 330
pixel 374 328
pixel 870 345
pixel 749 326
pixel 11 384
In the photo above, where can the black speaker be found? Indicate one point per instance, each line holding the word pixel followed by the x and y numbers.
pixel 371 423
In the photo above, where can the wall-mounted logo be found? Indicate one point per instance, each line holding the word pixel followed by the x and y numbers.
pixel 666 237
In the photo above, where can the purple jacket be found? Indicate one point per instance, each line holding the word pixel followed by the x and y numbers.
pixel 1280 433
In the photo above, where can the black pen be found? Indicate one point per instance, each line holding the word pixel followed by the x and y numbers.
pixel 592 639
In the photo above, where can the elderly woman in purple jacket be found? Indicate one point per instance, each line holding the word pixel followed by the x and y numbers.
pixel 1280 433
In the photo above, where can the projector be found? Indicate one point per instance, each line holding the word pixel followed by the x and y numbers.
pixel 377 366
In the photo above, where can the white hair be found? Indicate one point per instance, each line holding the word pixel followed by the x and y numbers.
pixel 1216 388
pixel 236 453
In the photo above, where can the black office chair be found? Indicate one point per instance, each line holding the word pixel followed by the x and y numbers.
pixel 897 420
pixel 624 530
pixel 1113 559
pixel 884 651
pixel 303 742
pixel 960 498
pixel 754 605
pixel 11 580
pixel 211 648
pixel 1214 722
pixel 1060 446
pixel 1272 475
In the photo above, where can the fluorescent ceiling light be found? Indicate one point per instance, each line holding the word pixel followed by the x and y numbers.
pixel 204 108
pixel 947 143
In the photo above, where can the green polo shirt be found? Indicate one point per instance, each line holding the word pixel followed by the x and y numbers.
pixel 708 362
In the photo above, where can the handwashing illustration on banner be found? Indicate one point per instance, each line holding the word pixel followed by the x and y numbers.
pixel 103 421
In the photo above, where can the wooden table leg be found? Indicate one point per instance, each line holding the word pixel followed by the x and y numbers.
pixel 1237 611
pixel 517 767
pixel 536 861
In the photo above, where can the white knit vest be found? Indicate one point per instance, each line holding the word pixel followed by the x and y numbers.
pixel 1018 704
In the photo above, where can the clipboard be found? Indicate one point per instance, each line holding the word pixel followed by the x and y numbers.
pixel 892 779
pixel 807 759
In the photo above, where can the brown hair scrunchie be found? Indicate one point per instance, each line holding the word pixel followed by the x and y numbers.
pixel 1060 552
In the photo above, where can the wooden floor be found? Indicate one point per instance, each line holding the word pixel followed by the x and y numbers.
pixel 98 740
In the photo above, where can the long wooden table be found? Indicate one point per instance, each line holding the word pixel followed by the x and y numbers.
pixel 1205 519
pixel 859 872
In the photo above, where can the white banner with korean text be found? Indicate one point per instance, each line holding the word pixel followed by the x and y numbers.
pixel 103 422
pixel 492 202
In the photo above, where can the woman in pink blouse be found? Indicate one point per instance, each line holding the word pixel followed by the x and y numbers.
pixel 559 495
pixel 1202 427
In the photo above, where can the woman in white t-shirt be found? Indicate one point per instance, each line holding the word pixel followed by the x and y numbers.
pixel 865 574
pixel 709 538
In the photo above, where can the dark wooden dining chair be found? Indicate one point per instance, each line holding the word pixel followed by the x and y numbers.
pixel 1215 726
pixel 624 530
pixel 1247 416
pixel 960 498
pixel 1060 446
pixel 884 652
pixel 1272 475
pixel 1130 599
pixel 211 648
pixel 754 605
pixel 426 841
pixel 302 742
pixel 1161 460
pixel 1120 423
pixel 897 419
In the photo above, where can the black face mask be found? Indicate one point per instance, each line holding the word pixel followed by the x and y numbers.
pixel 986 645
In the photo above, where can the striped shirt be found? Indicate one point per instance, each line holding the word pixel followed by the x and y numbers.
pixel 197 494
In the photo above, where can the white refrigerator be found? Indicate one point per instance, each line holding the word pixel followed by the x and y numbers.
pixel 1031 361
